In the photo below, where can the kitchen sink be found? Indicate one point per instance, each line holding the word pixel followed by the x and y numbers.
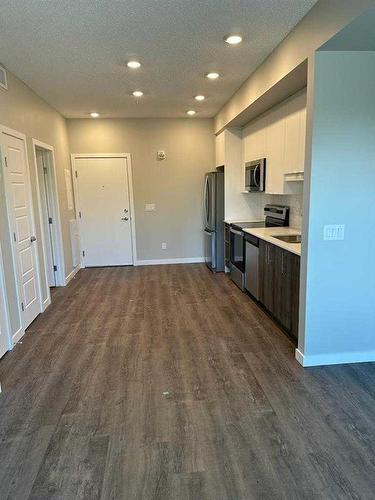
pixel 289 238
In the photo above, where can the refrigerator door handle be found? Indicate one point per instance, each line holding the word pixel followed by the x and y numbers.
pixel 205 202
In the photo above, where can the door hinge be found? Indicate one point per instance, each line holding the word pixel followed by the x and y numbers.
pixel 50 220
pixel 6 161
pixel 14 236
pixel 55 268
pixel 83 253
pixel 80 215
pixel 22 306
pixel 76 174
pixel 45 170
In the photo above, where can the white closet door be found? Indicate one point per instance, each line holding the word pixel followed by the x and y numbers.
pixel 18 194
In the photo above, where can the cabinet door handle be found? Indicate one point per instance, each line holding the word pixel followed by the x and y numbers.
pixel 282 262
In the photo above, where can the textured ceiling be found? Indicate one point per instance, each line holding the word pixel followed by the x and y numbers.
pixel 73 53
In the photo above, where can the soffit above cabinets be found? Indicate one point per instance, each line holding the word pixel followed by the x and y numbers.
pixel 284 88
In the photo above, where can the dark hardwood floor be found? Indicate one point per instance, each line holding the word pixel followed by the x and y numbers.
pixel 167 382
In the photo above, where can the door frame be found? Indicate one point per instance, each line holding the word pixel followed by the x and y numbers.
pixel 4 314
pixel 57 241
pixel 126 156
pixel 18 135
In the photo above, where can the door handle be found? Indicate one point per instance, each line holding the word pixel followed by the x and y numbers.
pixel 205 207
pixel 125 218
pixel 126 210
pixel 32 239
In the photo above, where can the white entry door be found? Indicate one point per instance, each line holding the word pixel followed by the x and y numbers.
pixel 104 209
pixel 18 195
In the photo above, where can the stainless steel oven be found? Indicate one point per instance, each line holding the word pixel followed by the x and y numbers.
pixel 275 215
pixel 237 255
pixel 255 175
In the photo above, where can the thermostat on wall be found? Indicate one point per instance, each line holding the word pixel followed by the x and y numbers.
pixel 161 155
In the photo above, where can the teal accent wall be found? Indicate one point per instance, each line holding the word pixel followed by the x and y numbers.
pixel 340 280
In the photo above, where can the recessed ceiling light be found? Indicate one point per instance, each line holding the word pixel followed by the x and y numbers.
pixel 94 114
pixel 199 98
pixel 133 64
pixel 137 93
pixel 191 112
pixel 212 76
pixel 233 39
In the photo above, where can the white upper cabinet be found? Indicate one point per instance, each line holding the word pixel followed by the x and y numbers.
pixel 279 136
pixel 275 151
pixel 302 139
pixel 292 137
pixel 220 149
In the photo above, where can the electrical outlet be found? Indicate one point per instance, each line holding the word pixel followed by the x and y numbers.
pixel 150 207
pixel 164 246
pixel 334 232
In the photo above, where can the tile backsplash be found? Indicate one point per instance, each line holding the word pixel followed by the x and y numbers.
pixel 293 201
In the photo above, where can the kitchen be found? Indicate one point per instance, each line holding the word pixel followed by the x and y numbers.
pixel 253 208
pixel 182 363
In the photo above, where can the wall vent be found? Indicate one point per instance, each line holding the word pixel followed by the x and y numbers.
pixel 3 78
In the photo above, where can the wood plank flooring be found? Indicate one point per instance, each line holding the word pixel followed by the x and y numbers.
pixel 166 382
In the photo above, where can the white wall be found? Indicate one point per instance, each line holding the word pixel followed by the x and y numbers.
pixel 338 319
pixel 175 185
pixel 21 109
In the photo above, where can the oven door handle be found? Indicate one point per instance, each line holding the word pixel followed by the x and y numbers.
pixel 234 231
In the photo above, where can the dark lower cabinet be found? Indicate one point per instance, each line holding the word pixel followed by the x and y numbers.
pixel 227 244
pixel 295 273
pixel 279 272
pixel 267 256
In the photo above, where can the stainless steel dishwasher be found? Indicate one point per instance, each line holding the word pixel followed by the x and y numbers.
pixel 252 265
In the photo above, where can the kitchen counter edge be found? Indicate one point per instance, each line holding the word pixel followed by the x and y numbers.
pixel 268 233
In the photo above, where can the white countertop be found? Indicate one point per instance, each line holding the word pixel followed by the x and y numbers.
pixel 267 233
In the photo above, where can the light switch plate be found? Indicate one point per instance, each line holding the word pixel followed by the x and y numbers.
pixel 150 207
pixel 164 245
pixel 334 232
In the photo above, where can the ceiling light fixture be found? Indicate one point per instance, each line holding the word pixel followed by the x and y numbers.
pixel 199 98
pixel 133 64
pixel 191 112
pixel 94 114
pixel 233 39
pixel 137 93
pixel 212 76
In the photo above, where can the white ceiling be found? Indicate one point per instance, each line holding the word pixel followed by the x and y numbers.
pixel 73 53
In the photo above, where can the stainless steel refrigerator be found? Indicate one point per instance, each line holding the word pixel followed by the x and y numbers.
pixel 213 210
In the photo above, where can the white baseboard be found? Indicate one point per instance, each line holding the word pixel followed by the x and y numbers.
pixel 156 262
pixel 341 358
pixel 17 336
pixel 72 274
pixel 46 303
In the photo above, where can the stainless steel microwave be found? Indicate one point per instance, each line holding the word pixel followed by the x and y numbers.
pixel 255 175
